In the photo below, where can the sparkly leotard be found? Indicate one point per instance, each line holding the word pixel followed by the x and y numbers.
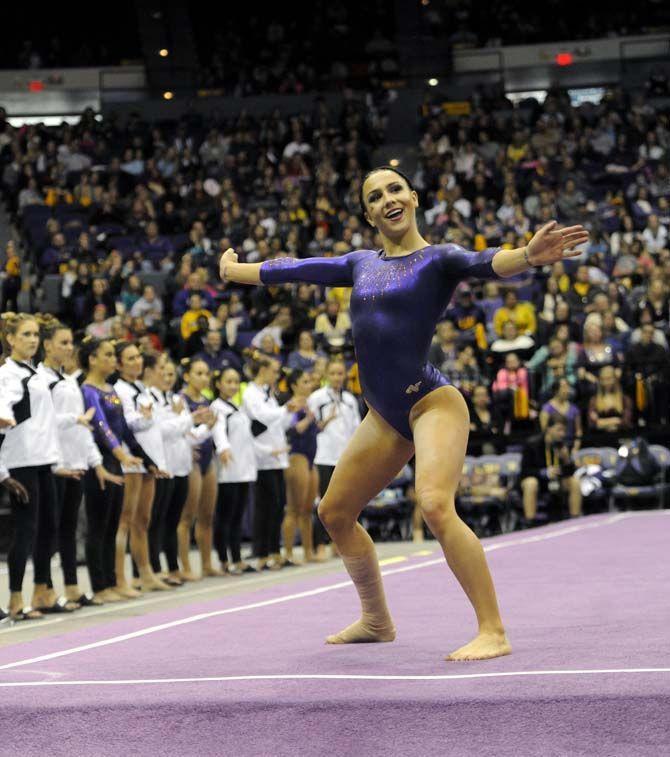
pixel 109 423
pixel 395 304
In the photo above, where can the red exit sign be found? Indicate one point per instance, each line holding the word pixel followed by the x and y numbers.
pixel 564 59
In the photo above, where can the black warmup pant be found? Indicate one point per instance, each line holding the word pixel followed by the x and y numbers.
pixel 103 513
pixel 164 487
pixel 230 506
pixel 69 493
pixel 33 527
pixel 325 474
pixel 173 509
pixel 268 512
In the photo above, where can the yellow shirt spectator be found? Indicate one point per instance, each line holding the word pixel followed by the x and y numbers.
pixel 520 313
pixel 189 321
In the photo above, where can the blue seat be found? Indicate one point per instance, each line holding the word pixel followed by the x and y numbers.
pixel 488 514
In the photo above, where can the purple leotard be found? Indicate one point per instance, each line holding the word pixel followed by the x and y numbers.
pixel 305 443
pixel 109 423
pixel 395 304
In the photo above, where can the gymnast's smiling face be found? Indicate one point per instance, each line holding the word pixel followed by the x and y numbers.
pixel 390 204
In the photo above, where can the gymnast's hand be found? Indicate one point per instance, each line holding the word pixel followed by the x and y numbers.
pixel 552 243
pixel 7 423
pixel 229 256
pixel 296 403
pixel 17 489
pixel 85 419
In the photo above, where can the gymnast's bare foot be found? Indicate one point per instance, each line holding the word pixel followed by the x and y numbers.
pixel 187 575
pixel 483 647
pixel 211 572
pixel 126 592
pixel 362 633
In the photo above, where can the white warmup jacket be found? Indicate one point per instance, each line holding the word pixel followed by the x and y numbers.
pixel 146 430
pixel 233 431
pixel 78 448
pixel 25 397
pixel 331 442
pixel 262 406
pixel 177 434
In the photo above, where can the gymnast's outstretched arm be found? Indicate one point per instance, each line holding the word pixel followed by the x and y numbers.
pixel 549 244
pixel 329 271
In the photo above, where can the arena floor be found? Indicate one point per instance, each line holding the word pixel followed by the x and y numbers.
pixel 239 666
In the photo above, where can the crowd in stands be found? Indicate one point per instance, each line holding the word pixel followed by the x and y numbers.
pixel 466 24
pixel 336 44
pixel 122 225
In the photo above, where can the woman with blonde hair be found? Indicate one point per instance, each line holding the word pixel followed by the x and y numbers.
pixel 30 452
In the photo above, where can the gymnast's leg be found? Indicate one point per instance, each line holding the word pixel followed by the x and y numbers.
pixel 373 457
pixel 440 424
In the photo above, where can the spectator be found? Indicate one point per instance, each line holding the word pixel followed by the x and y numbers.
pixel 199 244
pixel 486 423
pixel 98 294
pixel 511 389
pixel 645 316
pixel 443 350
pixel 101 326
pixel 553 363
pixel 30 195
pixel 193 284
pixel 581 292
pixel 560 406
pixel 547 469
pixel 596 353
pixel 657 303
pixel 649 367
pixel 655 236
pixel 521 313
pixel 570 203
pixel 190 319
pixel 157 251
pixel 469 318
pixel 304 357
pixel 334 326
pixel 216 355
pixel 597 310
pixel 56 255
pixel 131 292
pixel 511 341
pixel 149 306
pixel 280 329
pixel 464 374
pixel 10 279
pixel 609 409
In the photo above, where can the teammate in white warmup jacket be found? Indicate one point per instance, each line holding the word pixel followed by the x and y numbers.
pixel 236 470
pixel 30 452
pixel 78 452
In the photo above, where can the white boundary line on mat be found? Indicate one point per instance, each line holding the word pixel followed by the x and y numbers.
pixel 333 677
pixel 302 595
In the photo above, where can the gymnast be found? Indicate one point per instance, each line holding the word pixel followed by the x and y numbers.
pixel 399 292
